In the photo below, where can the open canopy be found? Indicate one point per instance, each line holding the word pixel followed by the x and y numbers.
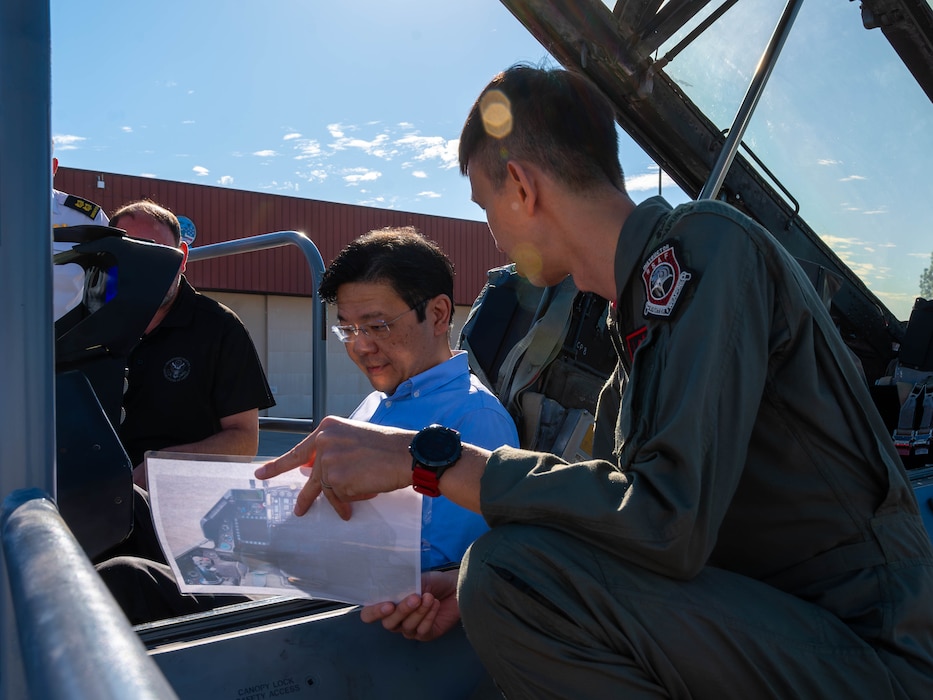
pixel 834 156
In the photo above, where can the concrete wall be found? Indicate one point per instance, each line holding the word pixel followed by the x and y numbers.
pixel 281 330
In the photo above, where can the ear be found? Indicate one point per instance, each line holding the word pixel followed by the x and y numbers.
pixel 438 313
pixel 524 181
pixel 183 247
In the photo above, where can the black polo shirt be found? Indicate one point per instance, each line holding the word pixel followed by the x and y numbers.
pixel 197 366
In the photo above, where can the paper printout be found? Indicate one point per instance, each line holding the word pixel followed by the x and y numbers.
pixel 225 532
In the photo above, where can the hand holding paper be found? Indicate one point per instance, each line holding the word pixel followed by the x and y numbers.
pixel 224 532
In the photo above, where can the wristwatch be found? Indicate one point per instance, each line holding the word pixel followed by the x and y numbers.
pixel 433 450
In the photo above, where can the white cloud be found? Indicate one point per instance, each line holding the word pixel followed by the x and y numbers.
pixel 429 194
pixel 286 186
pixel 828 161
pixel 225 180
pixel 291 136
pixel 67 142
pixel 864 270
pixel 126 129
pixel 188 121
pixel 375 147
pixel 355 176
pixel 308 148
pixel 335 130
pixel 850 178
pixel 376 202
pixel 200 170
pixel 267 153
pixel 419 174
pixel 647 182
pixel 894 300
pixel 838 242
pixel 431 148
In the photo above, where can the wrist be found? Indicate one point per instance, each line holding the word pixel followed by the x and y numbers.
pixel 434 450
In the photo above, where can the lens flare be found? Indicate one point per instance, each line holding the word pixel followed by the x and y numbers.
pixel 528 262
pixel 497 114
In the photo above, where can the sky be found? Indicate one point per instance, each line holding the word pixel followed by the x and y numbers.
pixel 362 102
pixel 354 102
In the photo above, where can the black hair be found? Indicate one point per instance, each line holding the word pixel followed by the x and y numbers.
pixel 553 118
pixel 415 267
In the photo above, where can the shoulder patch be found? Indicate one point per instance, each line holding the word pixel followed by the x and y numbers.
pixel 664 281
pixel 89 209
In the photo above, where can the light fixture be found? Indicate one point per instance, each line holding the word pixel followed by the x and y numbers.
pixel 100 182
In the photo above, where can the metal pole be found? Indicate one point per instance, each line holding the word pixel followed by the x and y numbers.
pixel 718 174
pixel 27 418
pixel 265 241
pixel 75 640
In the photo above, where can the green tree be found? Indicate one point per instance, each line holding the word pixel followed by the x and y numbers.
pixel 926 281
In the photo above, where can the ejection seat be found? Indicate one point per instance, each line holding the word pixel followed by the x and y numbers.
pixel 125 282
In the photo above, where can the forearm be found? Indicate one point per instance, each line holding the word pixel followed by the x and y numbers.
pixel 461 483
pixel 233 440
pixel 238 435
pixel 229 441
pixel 358 460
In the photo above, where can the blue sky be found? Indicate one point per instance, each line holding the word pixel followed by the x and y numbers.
pixel 362 103
pixel 354 102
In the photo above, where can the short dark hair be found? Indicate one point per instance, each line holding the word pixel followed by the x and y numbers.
pixel 415 267
pixel 146 207
pixel 553 118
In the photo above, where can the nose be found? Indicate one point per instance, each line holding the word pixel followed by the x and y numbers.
pixel 361 344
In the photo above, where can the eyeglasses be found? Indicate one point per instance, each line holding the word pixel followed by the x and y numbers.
pixel 375 330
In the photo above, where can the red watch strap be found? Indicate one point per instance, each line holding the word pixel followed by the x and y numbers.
pixel 425 481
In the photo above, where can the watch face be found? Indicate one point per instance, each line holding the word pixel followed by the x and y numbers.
pixel 436 446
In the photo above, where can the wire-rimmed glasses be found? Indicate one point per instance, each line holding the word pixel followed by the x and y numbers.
pixel 375 330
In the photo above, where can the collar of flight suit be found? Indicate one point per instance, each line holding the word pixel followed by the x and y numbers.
pixel 634 238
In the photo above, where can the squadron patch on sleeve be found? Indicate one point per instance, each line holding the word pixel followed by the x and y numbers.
pixel 664 281
pixel 89 209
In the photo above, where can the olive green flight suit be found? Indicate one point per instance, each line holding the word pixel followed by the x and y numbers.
pixel 747 530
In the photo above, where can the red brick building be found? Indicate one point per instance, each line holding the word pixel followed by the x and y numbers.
pixel 222 214
pixel 271 290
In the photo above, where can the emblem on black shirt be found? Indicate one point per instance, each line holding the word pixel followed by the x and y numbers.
pixel 177 369
pixel 664 281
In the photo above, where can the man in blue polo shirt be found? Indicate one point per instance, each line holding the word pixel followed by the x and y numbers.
pixel 393 290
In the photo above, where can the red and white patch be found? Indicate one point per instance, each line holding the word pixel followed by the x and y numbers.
pixel 664 281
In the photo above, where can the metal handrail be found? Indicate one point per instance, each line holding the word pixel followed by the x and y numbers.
pixel 318 317
pixel 74 638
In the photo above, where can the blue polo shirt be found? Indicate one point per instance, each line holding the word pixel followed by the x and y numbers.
pixel 447 394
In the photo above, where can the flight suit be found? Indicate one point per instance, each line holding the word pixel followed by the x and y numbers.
pixel 747 530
